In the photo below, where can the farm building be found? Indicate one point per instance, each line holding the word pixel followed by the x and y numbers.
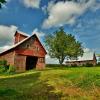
pixel 98 58
pixel 26 53
pixel 87 58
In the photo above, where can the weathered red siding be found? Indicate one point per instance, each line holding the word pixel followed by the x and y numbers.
pixel 40 65
pixel 19 37
pixel 34 49
pixel 20 63
pixel 9 57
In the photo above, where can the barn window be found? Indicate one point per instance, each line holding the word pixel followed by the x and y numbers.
pixel 41 60
pixel 33 38
pixel 37 49
pixel 27 45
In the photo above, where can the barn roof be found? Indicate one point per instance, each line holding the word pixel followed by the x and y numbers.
pixel 17 44
pixel 22 33
pixel 86 56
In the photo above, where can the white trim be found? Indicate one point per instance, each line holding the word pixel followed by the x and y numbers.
pixel 23 33
pixel 17 44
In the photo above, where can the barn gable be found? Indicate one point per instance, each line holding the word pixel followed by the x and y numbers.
pixel 32 47
pixel 22 42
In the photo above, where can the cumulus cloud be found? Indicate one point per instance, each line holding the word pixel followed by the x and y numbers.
pixel 44 9
pixel 32 3
pixel 66 12
pixel 3 48
pixel 50 60
pixel 38 33
pixel 6 36
pixel 87 50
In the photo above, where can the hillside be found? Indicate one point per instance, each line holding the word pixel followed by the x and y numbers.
pixel 52 84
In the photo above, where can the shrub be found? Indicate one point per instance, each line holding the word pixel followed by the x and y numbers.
pixel 74 65
pixel 89 65
pixel 83 65
pixel 2 69
pixel 98 64
pixel 3 66
pixel 3 62
pixel 11 69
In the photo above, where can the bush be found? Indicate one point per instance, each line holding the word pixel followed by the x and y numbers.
pixel 11 69
pixel 2 69
pixel 3 66
pixel 6 68
pixel 89 65
pixel 3 62
pixel 74 65
pixel 98 64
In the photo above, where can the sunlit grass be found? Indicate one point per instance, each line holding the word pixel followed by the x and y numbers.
pixel 57 83
pixel 17 74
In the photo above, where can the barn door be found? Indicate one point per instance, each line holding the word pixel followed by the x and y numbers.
pixel 31 62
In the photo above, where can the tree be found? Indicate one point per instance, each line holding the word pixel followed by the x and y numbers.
pixel 1 2
pixel 61 45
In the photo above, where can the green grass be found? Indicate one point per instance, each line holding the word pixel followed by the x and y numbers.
pixel 58 83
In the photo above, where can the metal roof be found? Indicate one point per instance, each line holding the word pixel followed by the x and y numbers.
pixel 23 33
pixel 86 56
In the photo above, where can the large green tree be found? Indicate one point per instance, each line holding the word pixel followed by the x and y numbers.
pixel 1 2
pixel 61 45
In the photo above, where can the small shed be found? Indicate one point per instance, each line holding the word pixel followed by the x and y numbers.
pixel 87 58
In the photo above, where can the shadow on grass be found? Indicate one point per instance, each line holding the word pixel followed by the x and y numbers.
pixel 27 87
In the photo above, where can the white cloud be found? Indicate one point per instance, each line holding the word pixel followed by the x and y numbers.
pixel 7 35
pixel 3 48
pixel 50 60
pixel 32 3
pixel 87 50
pixel 38 33
pixel 8 0
pixel 44 9
pixel 66 12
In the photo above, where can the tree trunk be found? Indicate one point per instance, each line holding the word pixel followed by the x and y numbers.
pixel 61 59
pixel 61 62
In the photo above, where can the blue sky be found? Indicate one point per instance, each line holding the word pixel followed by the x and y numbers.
pixel 81 19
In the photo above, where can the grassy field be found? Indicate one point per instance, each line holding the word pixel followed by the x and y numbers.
pixel 57 83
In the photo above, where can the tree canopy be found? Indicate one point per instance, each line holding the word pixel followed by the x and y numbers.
pixel 1 2
pixel 61 45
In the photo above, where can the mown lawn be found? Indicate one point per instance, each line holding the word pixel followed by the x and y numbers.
pixel 57 83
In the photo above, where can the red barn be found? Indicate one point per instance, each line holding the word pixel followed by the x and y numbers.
pixel 26 53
